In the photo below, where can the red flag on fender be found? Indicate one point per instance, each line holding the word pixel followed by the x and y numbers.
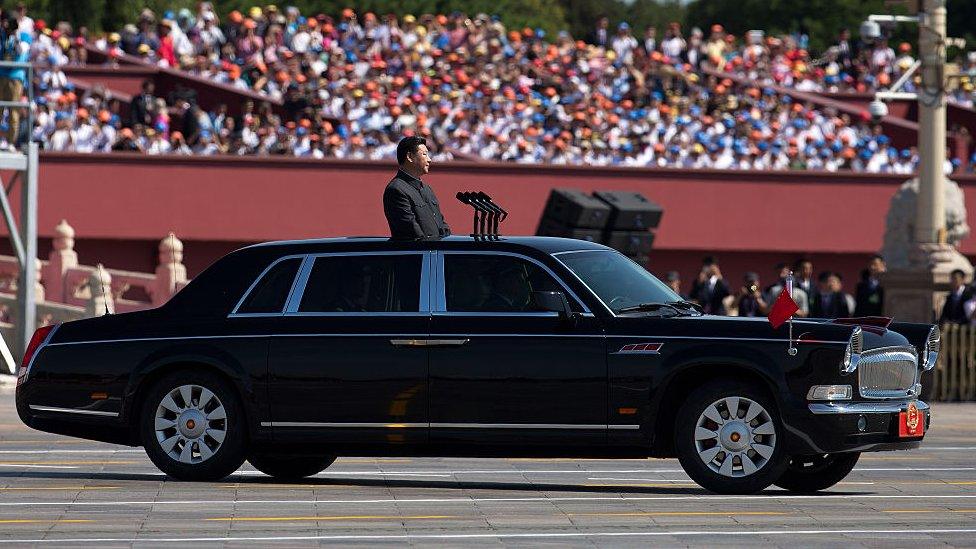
pixel 783 309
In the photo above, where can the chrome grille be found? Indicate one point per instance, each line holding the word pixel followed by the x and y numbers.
pixel 889 372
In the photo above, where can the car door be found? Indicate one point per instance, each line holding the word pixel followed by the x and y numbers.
pixel 341 365
pixel 511 373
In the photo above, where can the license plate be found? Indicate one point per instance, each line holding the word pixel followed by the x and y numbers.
pixel 911 423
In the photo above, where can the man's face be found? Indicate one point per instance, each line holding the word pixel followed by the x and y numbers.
pixel 877 266
pixel 958 280
pixel 833 284
pixel 421 159
pixel 806 269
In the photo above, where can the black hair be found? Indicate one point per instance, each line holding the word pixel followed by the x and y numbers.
pixel 800 261
pixel 959 272
pixel 824 275
pixel 877 256
pixel 709 260
pixel 408 145
pixel 781 265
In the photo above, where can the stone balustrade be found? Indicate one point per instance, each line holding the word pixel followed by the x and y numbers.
pixel 68 290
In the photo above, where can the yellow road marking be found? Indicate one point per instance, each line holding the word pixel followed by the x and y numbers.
pixel 109 462
pixel 351 517
pixel 262 485
pixel 35 521
pixel 23 488
pixel 680 514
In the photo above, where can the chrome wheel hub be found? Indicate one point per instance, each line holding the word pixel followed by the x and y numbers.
pixel 190 423
pixel 735 436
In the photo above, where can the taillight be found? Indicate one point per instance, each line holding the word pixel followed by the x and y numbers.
pixel 35 343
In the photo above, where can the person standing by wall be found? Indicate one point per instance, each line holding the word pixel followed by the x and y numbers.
pixel 869 294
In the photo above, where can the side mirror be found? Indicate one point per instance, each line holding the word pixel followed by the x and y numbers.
pixel 553 301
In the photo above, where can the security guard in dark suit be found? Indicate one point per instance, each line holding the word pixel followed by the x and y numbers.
pixel 411 208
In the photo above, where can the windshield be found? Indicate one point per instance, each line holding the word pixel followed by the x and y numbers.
pixel 617 280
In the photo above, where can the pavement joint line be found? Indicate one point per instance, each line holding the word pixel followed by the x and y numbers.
pixel 30 488
pixel 500 535
pixel 681 514
pixel 334 518
pixel 74 462
pixel 540 499
pixel 45 521
pixel 929 511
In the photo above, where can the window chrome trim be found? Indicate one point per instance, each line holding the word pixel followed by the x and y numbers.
pixel 298 289
pixel 250 288
pixel 441 289
pixel 37 408
pixel 585 285
pixel 45 343
pixel 301 282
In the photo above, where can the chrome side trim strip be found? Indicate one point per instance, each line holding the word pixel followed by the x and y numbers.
pixel 347 425
pixel 298 288
pixel 388 335
pixel 864 407
pixel 447 425
pixel 45 343
pixel 73 411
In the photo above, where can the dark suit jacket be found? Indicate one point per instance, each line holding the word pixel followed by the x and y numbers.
pixel 953 310
pixel 836 307
pixel 412 209
pixel 710 298
pixel 870 300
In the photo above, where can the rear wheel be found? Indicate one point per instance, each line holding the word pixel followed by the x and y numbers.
pixel 290 467
pixel 727 438
pixel 817 472
pixel 192 426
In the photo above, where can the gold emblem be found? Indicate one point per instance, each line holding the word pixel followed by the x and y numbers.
pixel 911 417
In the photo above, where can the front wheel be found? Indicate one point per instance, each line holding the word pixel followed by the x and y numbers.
pixel 817 472
pixel 289 467
pixel 727 437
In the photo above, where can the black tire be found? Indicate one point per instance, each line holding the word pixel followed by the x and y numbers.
pixel 762 470
pixel 224 457
pixel 807 474
pixel 290 467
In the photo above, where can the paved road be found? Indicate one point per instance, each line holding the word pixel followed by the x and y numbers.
pixel 60 491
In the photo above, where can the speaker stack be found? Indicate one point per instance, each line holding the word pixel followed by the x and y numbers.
pixel 622 220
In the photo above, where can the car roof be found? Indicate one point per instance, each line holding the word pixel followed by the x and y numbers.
pixel 545 244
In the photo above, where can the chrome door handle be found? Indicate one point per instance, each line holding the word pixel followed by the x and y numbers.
pixel 428 342
pixel 447 342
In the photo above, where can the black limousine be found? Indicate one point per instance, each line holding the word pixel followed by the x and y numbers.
pixel 288 354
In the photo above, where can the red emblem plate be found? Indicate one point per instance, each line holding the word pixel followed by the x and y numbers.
pixel 911 423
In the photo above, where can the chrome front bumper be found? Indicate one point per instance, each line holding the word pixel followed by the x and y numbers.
pixel 821 408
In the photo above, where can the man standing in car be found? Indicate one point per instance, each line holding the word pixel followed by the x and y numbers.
pixel 410 206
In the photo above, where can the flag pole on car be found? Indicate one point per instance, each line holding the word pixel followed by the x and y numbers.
pixel 783 310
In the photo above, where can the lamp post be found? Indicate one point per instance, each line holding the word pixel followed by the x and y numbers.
pixel 921 260
pixel 930 220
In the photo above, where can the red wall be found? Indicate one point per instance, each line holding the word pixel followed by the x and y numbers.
pixel 751 220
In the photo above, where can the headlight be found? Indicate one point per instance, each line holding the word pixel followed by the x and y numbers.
pixel 829 392
pixel 852 354
pixel 933 344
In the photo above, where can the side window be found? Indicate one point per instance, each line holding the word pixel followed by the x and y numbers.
pixel 366 283
pixel 495 284
pixel 270 293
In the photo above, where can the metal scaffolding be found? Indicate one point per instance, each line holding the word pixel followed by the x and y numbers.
pixel 23 234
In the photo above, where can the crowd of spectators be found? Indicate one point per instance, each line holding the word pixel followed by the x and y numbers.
pixel 353 84
pixel 823 295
